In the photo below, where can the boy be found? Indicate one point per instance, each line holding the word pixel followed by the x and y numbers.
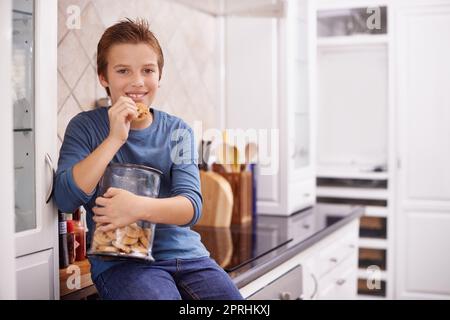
pixel 129 66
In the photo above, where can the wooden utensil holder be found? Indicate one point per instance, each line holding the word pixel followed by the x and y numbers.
pixel 241 185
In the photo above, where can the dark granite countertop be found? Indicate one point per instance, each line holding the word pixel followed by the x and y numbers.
pixel 248 251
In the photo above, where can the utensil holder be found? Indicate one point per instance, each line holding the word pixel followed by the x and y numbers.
pixel 242 186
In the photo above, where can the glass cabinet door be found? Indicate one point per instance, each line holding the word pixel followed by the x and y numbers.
pixel 23 103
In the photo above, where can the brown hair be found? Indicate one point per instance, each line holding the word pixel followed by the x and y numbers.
pixel 126 31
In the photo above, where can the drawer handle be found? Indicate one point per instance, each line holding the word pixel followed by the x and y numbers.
pixel 334 260
pixel 340 282
pixel 285 296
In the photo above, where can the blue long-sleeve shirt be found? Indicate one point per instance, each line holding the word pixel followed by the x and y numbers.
pixel 167 144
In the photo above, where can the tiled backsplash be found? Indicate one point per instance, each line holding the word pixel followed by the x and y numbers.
pixel 190 43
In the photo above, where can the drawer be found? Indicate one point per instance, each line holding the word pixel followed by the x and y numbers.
pixel 340 283
pixel 286 287
pixel 336 252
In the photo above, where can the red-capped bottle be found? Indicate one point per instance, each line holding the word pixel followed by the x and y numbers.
pixel 80 236
pixel 72 244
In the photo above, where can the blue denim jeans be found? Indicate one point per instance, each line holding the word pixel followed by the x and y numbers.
pixel 187 279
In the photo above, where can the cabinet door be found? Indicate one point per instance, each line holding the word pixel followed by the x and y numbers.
pixel 310 279
pixel 298 61
pixel 252 99
pixel 425 262
pixel 35 274
pixel 34 100
pixel 7 265
pixel 423 74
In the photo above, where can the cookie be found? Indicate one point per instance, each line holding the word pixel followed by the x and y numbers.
pixel 122 247
pixel 133 231
pixel 102 238
pixel 139 248
pixel 144 241
pixel 107 249
pixel 128 240
pixel 143 111
pixel 111 234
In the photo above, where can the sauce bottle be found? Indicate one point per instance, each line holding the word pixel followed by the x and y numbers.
pixel 71 242
pixel 80 236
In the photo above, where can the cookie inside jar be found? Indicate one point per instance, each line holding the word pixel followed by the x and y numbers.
pixel 132 241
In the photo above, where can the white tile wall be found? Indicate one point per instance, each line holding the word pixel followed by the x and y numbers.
pixel 189 39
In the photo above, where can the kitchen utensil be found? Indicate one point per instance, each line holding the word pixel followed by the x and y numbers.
pixel 204 151
pixel 251 153
pixel 227 156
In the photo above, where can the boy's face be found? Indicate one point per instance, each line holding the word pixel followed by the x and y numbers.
pixel 133 72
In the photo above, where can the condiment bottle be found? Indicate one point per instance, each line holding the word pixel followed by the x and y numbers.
pixel 80 236
pixel 62 239
pixel 72 244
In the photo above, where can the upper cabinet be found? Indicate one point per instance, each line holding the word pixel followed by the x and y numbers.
pixel 234 7
pixel 269 64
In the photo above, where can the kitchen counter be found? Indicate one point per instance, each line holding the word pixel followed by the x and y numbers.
pixel 248 251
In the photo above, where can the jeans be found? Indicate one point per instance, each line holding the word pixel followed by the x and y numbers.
pixel 187 279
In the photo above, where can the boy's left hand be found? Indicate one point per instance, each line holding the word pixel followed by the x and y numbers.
pixel 118 209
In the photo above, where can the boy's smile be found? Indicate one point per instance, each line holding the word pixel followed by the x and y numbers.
pixel 132 71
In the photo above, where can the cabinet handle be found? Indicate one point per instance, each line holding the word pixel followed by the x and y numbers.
pixel 340 282
pixel 333 260
pixel 49 162
pixel 285 296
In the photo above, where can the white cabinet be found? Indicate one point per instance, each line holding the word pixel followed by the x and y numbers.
pixel 423 74
pixel 34 53
pixel 328 270
pixel 340 283
pixel 35 276
pixel 268 88
pixel 331 267
pixel 7 266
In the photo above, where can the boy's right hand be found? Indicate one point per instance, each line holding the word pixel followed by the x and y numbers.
pixel 120 116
